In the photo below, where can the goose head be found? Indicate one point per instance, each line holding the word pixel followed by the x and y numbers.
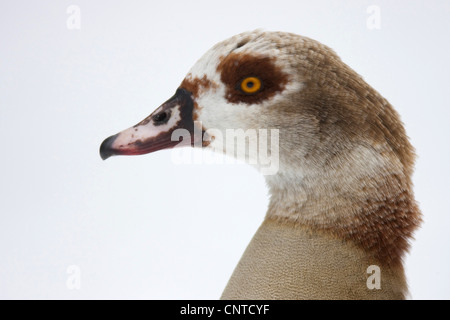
pixel 245 84
pixel 341 149
pixel 271 80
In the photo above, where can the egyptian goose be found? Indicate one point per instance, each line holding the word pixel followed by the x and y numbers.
pixel 341 201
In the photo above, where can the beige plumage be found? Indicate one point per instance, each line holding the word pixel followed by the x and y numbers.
pixel 341 198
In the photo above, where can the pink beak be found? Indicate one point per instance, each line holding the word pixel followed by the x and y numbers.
pixel 158 130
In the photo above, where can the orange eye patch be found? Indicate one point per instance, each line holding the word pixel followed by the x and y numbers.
pixel 251 79
pixel 251 85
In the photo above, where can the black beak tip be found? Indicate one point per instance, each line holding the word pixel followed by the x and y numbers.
pixel 106 150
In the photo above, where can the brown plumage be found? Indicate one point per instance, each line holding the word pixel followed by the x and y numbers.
pixel 342 197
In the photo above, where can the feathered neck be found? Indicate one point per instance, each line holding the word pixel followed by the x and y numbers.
pixel 362 196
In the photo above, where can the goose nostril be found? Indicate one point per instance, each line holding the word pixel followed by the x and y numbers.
pixel 161 117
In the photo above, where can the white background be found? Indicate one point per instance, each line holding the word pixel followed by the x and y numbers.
pixel 144 227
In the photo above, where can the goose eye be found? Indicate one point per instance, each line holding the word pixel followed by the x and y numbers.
pixel 251 85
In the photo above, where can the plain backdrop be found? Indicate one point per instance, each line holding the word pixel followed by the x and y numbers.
pixel 146 227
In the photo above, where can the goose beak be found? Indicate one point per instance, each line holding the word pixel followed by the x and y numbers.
pixel 158 130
